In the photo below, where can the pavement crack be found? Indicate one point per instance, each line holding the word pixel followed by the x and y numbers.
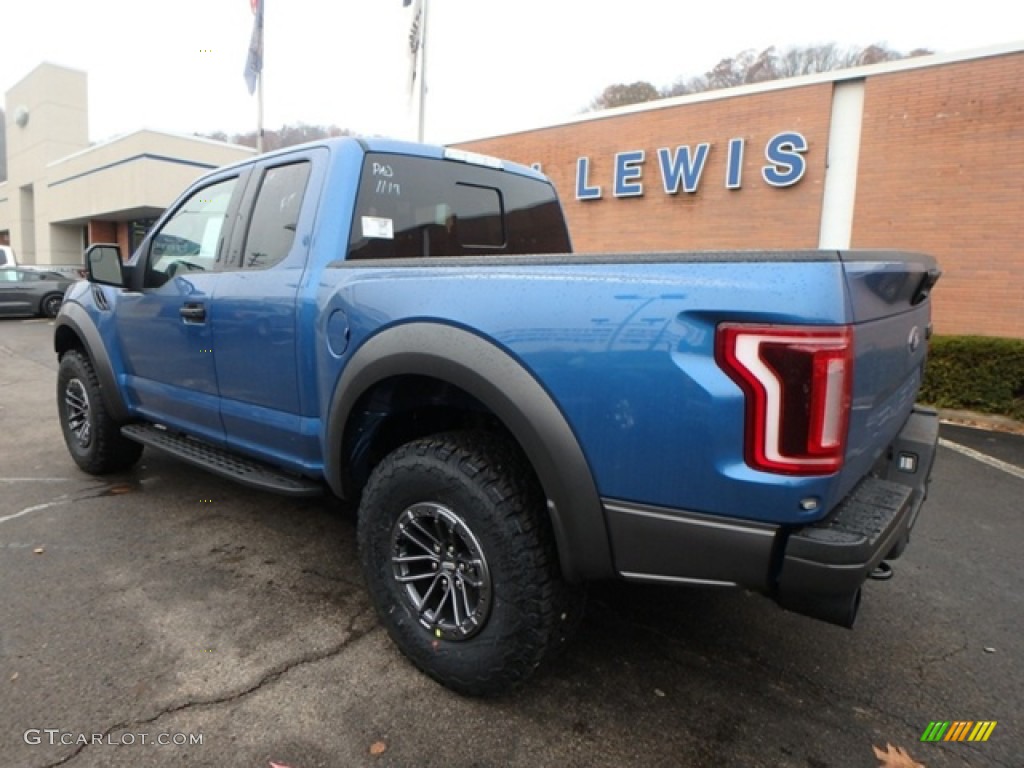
pixel 353 633
pixel 942 658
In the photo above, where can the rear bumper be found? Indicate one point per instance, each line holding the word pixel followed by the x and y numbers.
pixel 824 565
pixel 817 570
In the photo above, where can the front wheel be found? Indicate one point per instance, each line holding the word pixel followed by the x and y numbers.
pixel 459 558
pixel 93 437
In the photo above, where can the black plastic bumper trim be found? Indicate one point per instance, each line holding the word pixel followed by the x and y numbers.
pixel 836 555
pixel 671 545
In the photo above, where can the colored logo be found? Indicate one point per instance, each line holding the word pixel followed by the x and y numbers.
pixel 959 730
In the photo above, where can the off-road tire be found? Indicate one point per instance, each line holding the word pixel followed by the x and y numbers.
pixel 93 437
pixel 482 481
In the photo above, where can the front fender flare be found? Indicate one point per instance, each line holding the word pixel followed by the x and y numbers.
pixel 510 391
pixel 75 320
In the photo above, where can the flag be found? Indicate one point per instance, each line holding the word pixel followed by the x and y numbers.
pixel 415 40
pixel 254 62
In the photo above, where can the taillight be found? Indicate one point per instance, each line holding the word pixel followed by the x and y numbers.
pixel 797 383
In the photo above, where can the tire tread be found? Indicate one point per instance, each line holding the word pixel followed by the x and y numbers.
pixel 112 451
pixel 533 585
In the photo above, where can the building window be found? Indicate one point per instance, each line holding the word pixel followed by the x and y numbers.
pixel 137 231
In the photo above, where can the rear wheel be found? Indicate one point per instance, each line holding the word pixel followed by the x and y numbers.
pixel 459 558
pixel 93 437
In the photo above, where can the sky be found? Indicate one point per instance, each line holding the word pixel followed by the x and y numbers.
pixel 492 67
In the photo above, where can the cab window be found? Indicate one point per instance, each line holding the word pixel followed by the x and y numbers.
pixel 275 215
pixel 192 240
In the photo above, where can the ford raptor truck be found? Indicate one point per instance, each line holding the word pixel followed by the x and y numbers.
pixel 406 327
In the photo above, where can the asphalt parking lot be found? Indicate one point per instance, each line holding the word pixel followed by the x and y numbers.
pixel 167 605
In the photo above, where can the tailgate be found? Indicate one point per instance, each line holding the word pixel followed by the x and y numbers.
pixel 891 312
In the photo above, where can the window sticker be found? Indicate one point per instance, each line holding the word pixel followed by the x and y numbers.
pixel 375 227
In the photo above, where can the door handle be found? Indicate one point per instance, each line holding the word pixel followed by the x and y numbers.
pixel 193 313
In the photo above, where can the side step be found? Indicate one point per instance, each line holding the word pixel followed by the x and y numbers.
pixel 221 462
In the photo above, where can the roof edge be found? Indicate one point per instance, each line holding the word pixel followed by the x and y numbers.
pixel 834 76
pixel 169 134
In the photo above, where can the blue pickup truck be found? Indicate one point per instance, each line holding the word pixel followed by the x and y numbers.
pixel 407 328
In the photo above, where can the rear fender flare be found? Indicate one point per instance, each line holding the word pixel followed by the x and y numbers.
pixel 515 397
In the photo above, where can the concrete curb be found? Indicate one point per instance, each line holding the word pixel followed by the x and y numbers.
pixel 985 421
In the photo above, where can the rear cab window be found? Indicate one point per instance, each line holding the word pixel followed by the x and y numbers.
pixel 414 207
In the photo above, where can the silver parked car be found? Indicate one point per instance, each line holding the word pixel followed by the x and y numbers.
pixel 31 291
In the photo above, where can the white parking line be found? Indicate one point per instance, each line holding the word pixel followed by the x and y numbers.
pixel 36 508
pixel 35 479
pixel 1004 466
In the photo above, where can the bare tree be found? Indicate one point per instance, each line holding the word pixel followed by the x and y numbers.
pixel 287 136
pixel 684 86
pixel 750 66
pixel 876 54
pixel 621 94
pixel 794 62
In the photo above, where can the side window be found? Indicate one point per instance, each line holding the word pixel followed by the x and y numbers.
pixel 30 277
pixel 8 276
pixel 192 239
pixel 275 216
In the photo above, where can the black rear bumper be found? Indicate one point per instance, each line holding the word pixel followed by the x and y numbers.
pixel 824 565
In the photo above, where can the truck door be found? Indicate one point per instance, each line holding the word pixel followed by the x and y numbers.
pixel 255 317
pixel 164 328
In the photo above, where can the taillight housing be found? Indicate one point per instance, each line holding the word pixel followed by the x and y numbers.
pixel 797 383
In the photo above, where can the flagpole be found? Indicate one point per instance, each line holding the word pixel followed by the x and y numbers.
pixel 423 75
pixel 259 113
pixel 254 67
pixel 259 82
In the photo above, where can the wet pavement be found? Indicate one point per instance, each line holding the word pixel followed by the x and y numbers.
pixel 169 605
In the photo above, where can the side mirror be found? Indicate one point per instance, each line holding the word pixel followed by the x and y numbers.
pixel 103 262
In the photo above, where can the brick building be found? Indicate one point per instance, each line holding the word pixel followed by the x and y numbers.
pixel 925 154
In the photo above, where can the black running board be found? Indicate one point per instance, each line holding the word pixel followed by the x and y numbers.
pixel 221 462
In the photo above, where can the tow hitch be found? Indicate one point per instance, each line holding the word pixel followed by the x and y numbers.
pixel 882 572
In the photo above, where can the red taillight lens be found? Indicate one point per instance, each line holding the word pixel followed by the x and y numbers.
pixel 797 383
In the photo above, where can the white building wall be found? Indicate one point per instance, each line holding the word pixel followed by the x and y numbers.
pixel 5 205
pixel 840 194
pixel 46 118
pixel 137 175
